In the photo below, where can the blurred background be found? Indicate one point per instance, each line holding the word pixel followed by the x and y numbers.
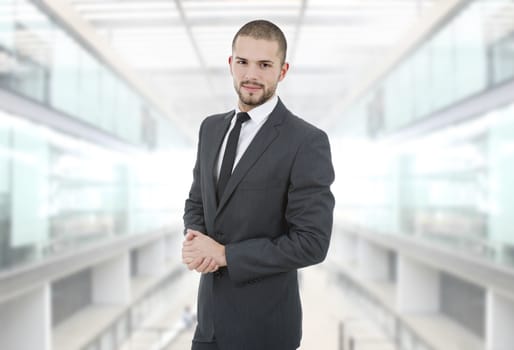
pixel 100 105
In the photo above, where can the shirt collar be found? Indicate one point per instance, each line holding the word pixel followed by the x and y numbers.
pixel 259 113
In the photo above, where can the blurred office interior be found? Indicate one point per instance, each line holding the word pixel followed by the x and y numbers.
pixel 100 105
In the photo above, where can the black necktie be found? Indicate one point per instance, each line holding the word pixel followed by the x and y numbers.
pixel 230 153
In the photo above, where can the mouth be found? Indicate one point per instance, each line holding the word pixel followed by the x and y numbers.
pixel 251 87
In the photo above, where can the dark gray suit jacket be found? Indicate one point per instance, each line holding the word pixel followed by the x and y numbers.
pixel 274 217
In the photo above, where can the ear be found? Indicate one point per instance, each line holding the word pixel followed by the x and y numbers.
pixel 283 71
pixel 230 63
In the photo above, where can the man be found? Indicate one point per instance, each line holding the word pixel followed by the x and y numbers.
pixel 260 206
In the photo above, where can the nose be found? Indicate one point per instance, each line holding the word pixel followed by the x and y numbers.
pixel 251 72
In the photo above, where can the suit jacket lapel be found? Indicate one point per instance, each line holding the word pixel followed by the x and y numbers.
pixel 218 134
pixel 268 132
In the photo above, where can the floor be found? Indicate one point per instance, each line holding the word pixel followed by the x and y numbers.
pixel 325 312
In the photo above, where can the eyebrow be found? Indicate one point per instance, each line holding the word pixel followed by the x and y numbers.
pixel 261 61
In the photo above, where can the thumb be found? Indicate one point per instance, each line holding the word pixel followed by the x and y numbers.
pixel 191 234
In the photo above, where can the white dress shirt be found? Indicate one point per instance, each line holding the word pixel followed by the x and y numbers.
pixel 249 129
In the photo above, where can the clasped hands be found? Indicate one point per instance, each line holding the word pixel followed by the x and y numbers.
pixel 201 253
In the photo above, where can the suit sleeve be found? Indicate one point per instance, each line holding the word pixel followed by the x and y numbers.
pixel 309 214
pixel 193 211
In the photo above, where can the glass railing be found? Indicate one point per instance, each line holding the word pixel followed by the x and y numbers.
pixel 392 324
pixel 41 60
pixel 133 319
pixel 471 53
pixel 58 193
pixel 452 187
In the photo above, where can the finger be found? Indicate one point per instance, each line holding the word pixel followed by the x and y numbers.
pixel 190 255
pixel 195 263
pixel 192 242
pixel 188 249
pixel 187 243
pixel 189 236
pixel 212 266
pixel 204 266
pixel 187 259
pixel 193 233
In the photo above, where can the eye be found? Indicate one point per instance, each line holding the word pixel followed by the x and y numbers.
pixel 240 61
pixel 265 65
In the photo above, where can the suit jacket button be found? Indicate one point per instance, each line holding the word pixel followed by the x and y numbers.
pixel 217 273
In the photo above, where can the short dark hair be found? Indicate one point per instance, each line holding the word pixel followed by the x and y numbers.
pixel 262 29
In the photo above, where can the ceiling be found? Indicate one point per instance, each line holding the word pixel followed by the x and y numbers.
pixel 180 48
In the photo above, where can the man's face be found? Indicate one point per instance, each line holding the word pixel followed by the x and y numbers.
pixel 256 68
